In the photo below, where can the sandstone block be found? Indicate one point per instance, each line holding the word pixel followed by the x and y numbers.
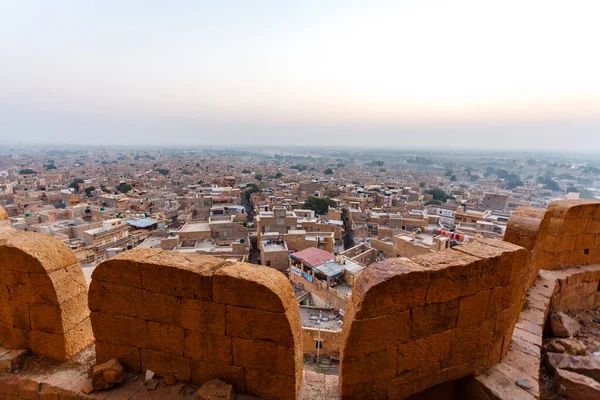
pixel 372 334
pixel 271 291
pixel 264 355
pixel 434 318
pixel 125 268
pixel 215 389
pixel 576 386
pixel 567 346
pixel 203 316
pixel 50 318
pixel 389 286
pixel 562 325
pixel 107 375
pixel 20 315
pixel 421 353
pixel 268 385
pixel 584 365
pixel 369 367
pixel 258 325
pixel 115 329
pixel 158 307
pixel 473 309
pixel 454 274
pixel 128 356
pixel 208 347
pixel 165 364
pixel 473 338
pixel 164 338
pixel 113 298
pixel 182 275
pixel 33 253
pixel 204 371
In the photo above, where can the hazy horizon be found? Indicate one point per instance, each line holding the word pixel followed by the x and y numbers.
pixel 430 74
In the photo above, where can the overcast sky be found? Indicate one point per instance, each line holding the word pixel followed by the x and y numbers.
pixel 464 74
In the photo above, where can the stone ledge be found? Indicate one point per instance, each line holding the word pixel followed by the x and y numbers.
pixel 552 290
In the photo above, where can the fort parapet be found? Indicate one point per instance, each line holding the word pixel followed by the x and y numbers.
pixel 452 322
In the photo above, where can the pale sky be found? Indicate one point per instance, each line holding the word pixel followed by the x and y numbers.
pixel 463 74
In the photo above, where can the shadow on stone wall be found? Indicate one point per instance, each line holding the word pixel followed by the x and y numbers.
pixel 43 296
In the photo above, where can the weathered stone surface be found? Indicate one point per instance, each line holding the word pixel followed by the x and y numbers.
pixel 270 289
pixel 216 389
pixel 208 347
pixel 164 364
pixel 258 324
pixel 267 385
pixel 107 375
pixel 576 386
pixel 127 356
pixel 43 301
pixel 562 325
pixel 584 365
pixel 190 325
pixel 204 371
pixel 461 307
pixel 203 316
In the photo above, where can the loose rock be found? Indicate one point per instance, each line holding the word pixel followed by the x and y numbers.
pixel 584 365
pixel 576 386
pixel 567 345
pixel 216 389
pixel 153 384
pixel 169 380
pixel 107 375
pixel 563 326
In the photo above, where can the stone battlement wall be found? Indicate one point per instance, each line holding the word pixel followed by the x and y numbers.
pixel 413 324
pixel 43 296
pixel 566 234
pixel 198 318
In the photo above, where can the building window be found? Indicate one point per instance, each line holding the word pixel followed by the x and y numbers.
pixel 268 263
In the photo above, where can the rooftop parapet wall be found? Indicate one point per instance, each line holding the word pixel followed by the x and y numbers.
pixel 567 234
pixel 43 296
pixel 413 324
pixel 198 318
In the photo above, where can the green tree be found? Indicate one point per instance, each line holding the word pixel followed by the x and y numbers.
pixel 439 194
pixel 74 185
pixel 124 188
pixel 320 205
pixel 89 190
pixel 572 189
pixel 453 178
pixel 278 175
pixel 328 171
pixel 513 180
pixel 27 171
pixel 422 184
pixel 258 177
pixel 162 171
pixel 49 166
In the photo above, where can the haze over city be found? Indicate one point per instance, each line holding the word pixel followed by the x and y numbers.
pixel 462 74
